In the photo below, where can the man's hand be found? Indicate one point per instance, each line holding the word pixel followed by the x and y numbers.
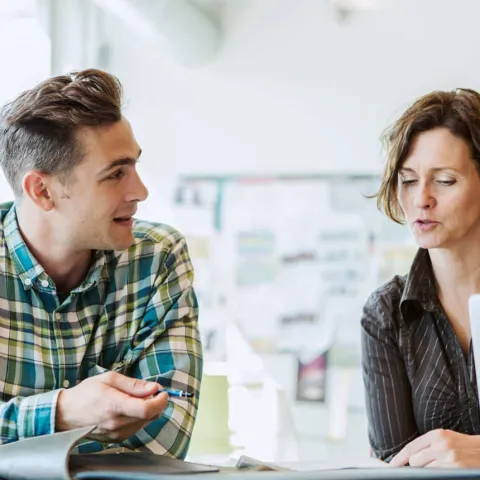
pixel 118 405
pixel 441 448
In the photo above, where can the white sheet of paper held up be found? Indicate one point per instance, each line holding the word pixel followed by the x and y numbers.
pixel 474 313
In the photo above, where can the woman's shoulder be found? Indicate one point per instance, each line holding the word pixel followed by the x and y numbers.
pixel 390 292
pixel 383 304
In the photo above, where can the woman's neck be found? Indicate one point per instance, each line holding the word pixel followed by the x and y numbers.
pixel 457 271
pixel 457 274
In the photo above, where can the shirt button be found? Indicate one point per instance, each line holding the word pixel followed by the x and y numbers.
pixel 58 316
pixel 45 283
pixel 66 383
pixel 28 282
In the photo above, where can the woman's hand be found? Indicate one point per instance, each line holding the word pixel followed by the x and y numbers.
pixel 440 449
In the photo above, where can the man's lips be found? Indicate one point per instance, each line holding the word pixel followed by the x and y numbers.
pixel 124 216
pixel 126 220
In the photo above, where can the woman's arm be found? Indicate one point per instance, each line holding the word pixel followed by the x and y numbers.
pixel 391 422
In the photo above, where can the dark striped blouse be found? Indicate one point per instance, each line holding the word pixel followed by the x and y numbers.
pixel 416 376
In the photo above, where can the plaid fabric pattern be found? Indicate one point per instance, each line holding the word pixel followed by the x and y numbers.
pixel 136 312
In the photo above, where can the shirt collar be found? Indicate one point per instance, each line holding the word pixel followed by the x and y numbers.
pixel 96 272
pixel 420 287
pixel 25 263
pixel 29 269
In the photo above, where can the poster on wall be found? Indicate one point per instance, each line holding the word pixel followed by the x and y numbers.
pixel 256 261
pixel 311 378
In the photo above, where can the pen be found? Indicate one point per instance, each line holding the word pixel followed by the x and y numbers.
pixel 176 393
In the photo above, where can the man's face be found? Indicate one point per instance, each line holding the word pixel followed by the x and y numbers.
pixel 94 208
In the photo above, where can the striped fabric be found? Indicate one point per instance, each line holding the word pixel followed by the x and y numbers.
pixel 135 312
pixel 416 376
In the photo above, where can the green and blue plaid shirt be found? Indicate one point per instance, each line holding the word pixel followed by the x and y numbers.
pixel 135 312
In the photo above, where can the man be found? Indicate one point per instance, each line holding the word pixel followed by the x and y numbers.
pixel 95 307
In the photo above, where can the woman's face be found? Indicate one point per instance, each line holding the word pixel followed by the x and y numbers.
pixel 439 190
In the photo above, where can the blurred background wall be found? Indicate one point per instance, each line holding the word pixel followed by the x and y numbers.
pixel 260 122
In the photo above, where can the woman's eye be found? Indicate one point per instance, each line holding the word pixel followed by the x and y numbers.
pixel 408 182
pixel 446 182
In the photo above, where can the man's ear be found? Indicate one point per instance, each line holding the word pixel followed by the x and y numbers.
pixel 37 186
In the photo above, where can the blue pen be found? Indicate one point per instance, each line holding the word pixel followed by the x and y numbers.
pixel 176 393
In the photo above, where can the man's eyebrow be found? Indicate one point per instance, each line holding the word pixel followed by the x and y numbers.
pixel 119 163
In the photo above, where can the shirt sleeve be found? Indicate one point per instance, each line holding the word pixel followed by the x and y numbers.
pixel 25 417
pixel 169 351
pixel 391 421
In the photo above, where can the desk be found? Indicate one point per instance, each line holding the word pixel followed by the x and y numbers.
pixel 405 473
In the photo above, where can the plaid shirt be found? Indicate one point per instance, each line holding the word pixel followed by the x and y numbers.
pixel 135 312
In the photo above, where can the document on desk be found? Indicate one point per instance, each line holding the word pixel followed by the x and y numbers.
pixel 370 469
pixel 249 463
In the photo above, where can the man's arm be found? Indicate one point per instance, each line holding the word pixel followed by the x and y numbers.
pixel 24 417
pixel 391 421
pixel 167 349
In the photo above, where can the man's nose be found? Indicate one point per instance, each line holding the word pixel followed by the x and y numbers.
pixel 138 192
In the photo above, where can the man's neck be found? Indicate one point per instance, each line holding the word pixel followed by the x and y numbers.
pixel 66 267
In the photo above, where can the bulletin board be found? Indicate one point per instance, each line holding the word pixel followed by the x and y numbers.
pixel 290 262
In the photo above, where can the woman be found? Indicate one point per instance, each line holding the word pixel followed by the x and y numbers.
pixel 422 400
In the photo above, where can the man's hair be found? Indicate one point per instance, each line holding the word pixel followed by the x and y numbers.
pixel 38 128
pixel 458 111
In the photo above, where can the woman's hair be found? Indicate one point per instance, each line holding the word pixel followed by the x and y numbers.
pixel 38 129
pixel 458 111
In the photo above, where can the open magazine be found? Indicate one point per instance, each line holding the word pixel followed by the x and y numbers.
pixel 49 457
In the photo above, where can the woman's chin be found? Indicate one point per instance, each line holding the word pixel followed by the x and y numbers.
pixel 423 242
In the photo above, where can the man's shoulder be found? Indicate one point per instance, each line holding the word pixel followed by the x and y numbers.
pixel 163 236
pixel 157 248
